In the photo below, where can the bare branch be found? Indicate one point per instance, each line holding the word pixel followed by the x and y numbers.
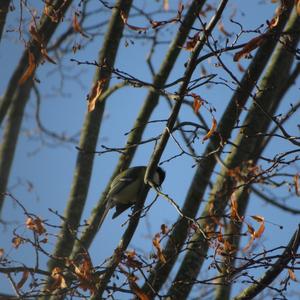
pixel 289 254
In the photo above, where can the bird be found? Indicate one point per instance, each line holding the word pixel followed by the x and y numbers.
pixel 126 188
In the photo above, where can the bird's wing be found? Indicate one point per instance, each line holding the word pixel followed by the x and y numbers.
pixel 121 181
pixel 120 208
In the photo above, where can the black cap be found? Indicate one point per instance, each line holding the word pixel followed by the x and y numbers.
pixel 161 174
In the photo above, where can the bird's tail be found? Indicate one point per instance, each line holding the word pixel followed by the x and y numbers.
pixel 105 212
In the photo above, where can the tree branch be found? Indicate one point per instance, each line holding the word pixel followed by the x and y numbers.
pixel 206 166
pixel 4 5
pixel 141 121
pixel 287 255
pixel 89 137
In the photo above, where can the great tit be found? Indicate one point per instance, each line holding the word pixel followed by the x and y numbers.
pixel 126 187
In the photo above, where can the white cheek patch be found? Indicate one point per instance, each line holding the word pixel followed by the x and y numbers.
pixel 156 179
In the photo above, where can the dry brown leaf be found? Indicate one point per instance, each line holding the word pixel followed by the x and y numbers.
pixel 156 244
pixel 23 279
pixel 260 231
pixel 190 45
pixel 59 280
pixel 35 225
pixel 136 289
pixel 228 247
pixel 252 234
pixel 297 186
pixel 47 10
pixel 249 244
pixel 236 173
pixel 131 260
pixel 292 275
pixel 250 229
pixel 77 27
pixel 85 282
pixel 85 268
pixel 85 274
pixel 139 292
pixel 131 254
pixel 251 45
pixel 16 241
pixel 123 17
pixel 197 103
pixel 274 22
pixel 50 12
pixel 297 4
pixel 234 208
pixel 255 234
pixel 211 131
pixel 30 69
pixel 258 218
pixel 95 94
